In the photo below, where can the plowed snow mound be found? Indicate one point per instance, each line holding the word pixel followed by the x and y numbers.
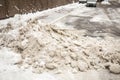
pixel 47 48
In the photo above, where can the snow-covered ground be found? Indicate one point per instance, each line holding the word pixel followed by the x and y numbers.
pixel 71 42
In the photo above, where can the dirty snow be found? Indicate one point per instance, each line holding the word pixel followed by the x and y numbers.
pixel 33 49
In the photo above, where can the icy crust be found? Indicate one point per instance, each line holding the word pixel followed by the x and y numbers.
pixel 48 48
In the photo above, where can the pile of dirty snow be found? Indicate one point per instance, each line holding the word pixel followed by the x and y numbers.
pixel 49 48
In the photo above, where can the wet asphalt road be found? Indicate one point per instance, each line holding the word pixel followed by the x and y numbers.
pixel 109 24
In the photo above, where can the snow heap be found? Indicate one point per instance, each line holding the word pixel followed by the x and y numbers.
pixel 105 2
pixel 48 48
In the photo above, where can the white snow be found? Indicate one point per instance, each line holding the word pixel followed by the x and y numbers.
pixel 7 60
pixel 8 57
pixel 106 2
